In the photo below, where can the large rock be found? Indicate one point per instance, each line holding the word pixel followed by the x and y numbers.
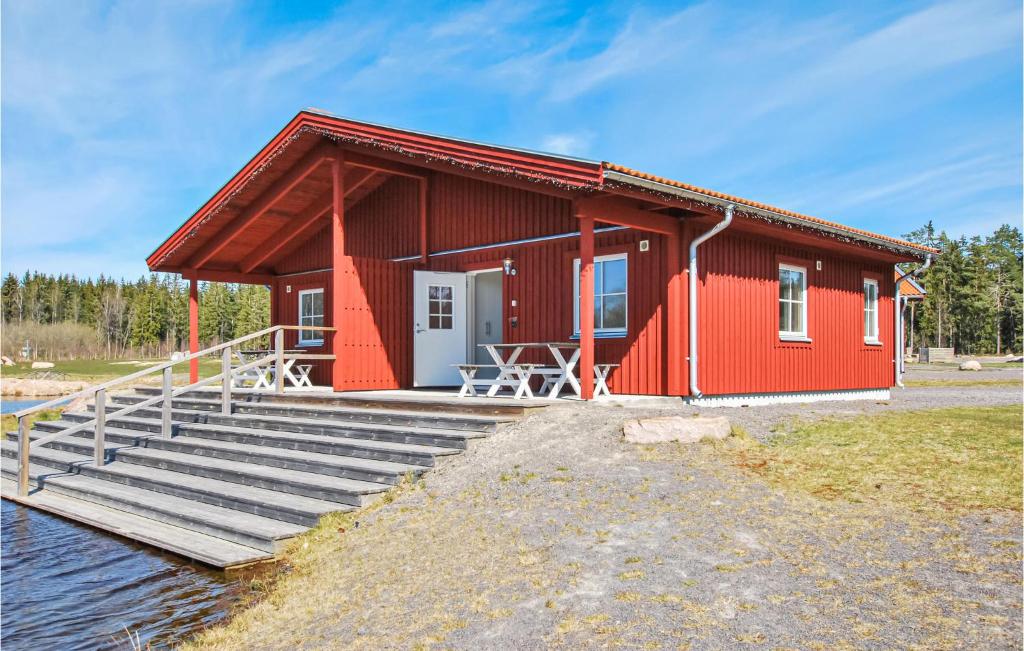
pixel 6 361
pixel 42 364
pixel 676 428
pixel 970 365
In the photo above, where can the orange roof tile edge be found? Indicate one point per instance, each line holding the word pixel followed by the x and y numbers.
pixel 762 206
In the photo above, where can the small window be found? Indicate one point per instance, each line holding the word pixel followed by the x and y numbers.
pixel 870 310
pixel 792 302
pixel 610 302
pixel 311 314
pixel 440 306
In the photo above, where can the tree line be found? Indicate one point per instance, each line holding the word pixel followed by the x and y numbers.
pixel 974 292
pixel 62 317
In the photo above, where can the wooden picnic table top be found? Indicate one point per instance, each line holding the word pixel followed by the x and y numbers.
pixel 535 344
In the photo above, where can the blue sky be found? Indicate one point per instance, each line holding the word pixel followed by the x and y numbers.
pixel 120 119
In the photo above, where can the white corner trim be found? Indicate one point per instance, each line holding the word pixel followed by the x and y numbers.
pixel 755 399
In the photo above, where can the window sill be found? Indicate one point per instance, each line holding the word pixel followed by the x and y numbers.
pixel 872 342
pixel 602 335
pixel 310 344
pixel 795 339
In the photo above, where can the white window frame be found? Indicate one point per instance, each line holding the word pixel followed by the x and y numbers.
pixel 871 338
pixel 318 341
pixel 793 335
pixel 606 332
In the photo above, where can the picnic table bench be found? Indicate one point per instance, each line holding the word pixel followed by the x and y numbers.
pixel 264 375
pixel 515 375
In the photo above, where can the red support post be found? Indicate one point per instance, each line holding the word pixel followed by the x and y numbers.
pixel 586 306
pixel 424 250
pixel 193 328
pixel 676 314
pixel 337 269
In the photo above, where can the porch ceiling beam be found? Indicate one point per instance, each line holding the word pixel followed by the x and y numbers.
pixel 262 204
pixel 296 227
pixel 622 212
pixel 357 159
pixel 220 275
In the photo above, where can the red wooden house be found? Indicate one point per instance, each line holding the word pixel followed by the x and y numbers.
pixel 419 247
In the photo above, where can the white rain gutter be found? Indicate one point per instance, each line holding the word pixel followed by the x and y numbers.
pixel 692 359
pixel 899 320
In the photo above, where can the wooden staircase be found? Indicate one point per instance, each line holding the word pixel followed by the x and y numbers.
pixel 229 489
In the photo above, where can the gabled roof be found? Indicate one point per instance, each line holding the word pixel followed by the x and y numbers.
pixel 909 288
pixel 575 176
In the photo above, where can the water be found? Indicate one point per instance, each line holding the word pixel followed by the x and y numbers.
pixel 67 586
pixel 11 406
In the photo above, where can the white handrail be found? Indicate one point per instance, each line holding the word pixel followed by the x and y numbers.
pixel 165 398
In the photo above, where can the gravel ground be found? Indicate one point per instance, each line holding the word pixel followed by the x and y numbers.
pixel 554 533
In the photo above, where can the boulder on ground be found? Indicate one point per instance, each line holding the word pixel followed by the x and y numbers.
pixel 42 364
pixel 177 356
pixel 676 428
pixel 6 361
pixel 970 365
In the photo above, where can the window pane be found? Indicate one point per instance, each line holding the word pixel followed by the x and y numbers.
pixel 318 302
pixel 446 307
pixel 598 278
pixel 317 320
pixel 433 291
pixel 797 290
pixel 614 314
pixel 783 317
pixel 598 323
pixel 614 274
pixel 446 323
pixel 446 293
pixel 433 307
pixel 435 322
pixel 796 317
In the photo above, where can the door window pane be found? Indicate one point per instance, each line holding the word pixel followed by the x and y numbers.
pixel 440 307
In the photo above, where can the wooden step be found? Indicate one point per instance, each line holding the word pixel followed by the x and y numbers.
pixel 458 439
pixel 246 529
pixel 401 453
pixel 296 509
pixel 200 547
pixel 325 487
pixel 330 463
pixel 257 405
pixel 376 400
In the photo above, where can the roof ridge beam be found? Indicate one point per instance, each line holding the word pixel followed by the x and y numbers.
pixel 622 212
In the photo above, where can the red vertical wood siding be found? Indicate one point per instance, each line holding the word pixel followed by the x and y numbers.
pixel 738 318
pixel 285 311
pixel 740 350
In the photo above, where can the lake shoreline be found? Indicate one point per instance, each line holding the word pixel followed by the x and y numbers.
pixel 30 388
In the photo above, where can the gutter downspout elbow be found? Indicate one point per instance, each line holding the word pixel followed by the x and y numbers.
pixel 899 352
pixel 692 296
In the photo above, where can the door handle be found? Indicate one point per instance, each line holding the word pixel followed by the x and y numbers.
pixel 418 329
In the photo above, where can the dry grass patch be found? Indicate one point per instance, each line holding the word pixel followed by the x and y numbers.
pixel 936 461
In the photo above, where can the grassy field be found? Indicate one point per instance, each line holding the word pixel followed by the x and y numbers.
pixel 103 369
pixel 937 461
pixel 8 423
pixel 963 382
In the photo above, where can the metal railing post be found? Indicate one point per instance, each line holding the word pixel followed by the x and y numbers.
pixel 23 456
pixel 279 361
pixel 225 370
pixel 99 452
pixel 165 425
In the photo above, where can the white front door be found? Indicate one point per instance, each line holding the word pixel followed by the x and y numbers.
pixel 439 327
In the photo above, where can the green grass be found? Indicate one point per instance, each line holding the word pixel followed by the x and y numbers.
pixel 104 369
pixel 963 382
pixel 8 423
pixel 936 461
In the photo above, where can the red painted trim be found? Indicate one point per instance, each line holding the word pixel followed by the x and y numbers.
pixel 339 302
pixel 222 276
pixel 586 306
pixel 193 328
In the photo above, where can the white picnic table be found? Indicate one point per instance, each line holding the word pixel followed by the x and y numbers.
pixel 554 377
pixel 262 376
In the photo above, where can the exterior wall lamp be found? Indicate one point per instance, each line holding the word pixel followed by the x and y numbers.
pixel 508 268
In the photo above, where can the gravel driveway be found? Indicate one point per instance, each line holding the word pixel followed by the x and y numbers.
pixel 554 533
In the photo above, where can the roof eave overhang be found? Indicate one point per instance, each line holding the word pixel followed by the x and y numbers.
pixel 615 176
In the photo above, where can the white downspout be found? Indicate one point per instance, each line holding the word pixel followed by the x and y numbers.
pixel 719 227
pixel 899 321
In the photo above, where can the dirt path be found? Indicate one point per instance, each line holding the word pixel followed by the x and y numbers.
pixel 555 533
